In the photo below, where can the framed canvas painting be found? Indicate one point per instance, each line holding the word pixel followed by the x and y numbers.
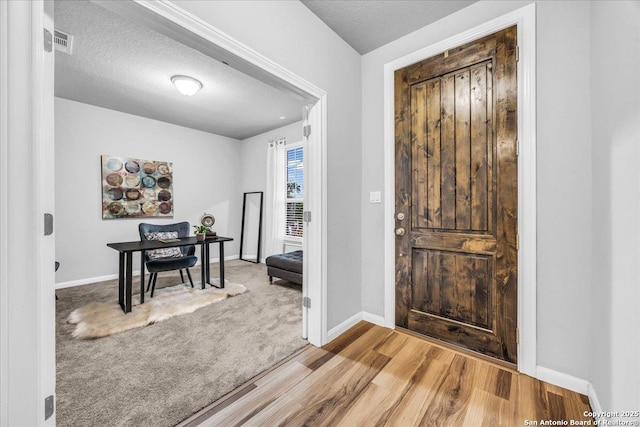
pixel 135 188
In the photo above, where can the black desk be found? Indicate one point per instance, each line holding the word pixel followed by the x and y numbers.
pixel 127 249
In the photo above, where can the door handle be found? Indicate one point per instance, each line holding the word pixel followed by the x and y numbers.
pixel 400 231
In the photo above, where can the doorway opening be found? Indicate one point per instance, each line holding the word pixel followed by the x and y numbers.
pixel 165 21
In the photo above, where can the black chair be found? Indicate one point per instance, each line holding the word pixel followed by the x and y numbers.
pixel 185 260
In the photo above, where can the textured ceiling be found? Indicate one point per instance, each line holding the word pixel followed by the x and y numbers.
pixel 368 24
pixel 124 66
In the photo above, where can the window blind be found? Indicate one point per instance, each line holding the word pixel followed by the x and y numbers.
pixel 294 165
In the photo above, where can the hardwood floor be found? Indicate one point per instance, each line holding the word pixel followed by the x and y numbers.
pixel 372 376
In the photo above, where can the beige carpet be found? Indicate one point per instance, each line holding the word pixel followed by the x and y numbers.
pixel 101 319
pixel 163 373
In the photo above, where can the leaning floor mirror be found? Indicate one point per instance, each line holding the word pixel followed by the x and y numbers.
pixel 251 232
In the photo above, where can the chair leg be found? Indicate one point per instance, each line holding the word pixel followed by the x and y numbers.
pixel 153 287
pixel 190 280
pixel 150 279
pixel 270 279
pixel 181 277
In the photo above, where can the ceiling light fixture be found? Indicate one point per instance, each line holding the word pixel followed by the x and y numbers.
pixel 186 85
pixel 282 117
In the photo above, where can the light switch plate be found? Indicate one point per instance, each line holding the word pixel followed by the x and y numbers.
pixel 375 197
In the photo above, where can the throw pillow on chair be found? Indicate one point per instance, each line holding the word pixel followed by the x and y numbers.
pixel 164 252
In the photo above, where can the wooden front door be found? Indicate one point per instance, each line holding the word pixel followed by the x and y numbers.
pixel 456 196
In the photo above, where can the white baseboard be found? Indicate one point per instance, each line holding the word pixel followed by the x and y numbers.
pixel 562 380
pixel 351 321
pixel 89 280
pixel 96 279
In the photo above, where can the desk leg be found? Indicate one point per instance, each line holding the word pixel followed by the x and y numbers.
pixel 203 263
pixel 221 265
pixel 128 284
pixel 121 282
pixel 142 277
pixel 208 249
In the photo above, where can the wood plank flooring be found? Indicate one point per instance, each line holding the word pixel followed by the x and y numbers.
pixel 372 376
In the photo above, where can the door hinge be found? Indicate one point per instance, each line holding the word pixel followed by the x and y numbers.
pixel 48 40
pixel 517 336
pixel 48 407
pixel 306 131
pixel 48 224
pixel 517 242
pixel 517 53
pixel 517 147
pixel 306 302
pixel 306 216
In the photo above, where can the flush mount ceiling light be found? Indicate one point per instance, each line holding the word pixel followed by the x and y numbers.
pixel 186 85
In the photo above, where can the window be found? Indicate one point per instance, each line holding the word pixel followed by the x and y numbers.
pixel 295 193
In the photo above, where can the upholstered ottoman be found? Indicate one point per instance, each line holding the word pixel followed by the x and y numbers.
pixel 285 266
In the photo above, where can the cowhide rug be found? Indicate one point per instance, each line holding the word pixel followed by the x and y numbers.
pixel 97 320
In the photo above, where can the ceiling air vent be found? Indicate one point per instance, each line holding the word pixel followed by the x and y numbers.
pixel 63 42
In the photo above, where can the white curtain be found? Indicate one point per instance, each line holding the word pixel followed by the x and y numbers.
pixel 275 212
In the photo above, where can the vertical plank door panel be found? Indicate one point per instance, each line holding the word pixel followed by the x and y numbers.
pixel 463 151
pixel 448 153
pixel 419 155
pixel 479 205
pixel 434 216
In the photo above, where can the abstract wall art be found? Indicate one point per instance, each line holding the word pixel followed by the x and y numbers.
pixel 134 188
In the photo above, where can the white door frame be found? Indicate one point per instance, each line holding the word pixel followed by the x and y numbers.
pixel 315 242
pixel 4 223
pixel 27 298
pixel 524 18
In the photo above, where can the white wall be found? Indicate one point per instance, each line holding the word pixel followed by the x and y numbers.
pixel 564 163
pixel 564 186
pixel 289 34
pixel 615 121
pixel 206 170
pixel 254 165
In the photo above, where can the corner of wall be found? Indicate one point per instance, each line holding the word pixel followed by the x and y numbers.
pixel 341 328
pixel 593 399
